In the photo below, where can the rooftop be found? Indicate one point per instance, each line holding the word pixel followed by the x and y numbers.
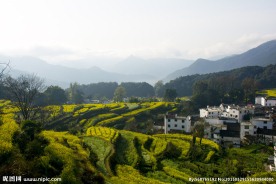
pixel 228 133
pixel 266 131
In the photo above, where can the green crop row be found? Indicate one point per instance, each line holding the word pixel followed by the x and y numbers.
pixel 110 121
pixel 66 149
pixel 7 129
pixel 176 174
pixel 94 120
pixel 108 134
pixel 146 107
pixel 8 126
pixel 127 174
pixel 189 139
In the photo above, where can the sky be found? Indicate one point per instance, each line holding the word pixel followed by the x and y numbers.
pixel 69 30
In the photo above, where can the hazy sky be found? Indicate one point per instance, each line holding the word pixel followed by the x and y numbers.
pixel 75 29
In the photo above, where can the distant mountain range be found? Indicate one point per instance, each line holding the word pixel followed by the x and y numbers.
pixel 132 69
pixel 157 67
pixel 62 76
pixel 135 69
pixel 262 55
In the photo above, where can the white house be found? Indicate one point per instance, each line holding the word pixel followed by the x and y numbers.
pixel 227 111
pixel 250 128
pixel 259 100
pixel 210 112
pixel 212 132
pixel 263 123
pixel 265 101
pixel 237 112
pixel 220 120
pixel 174 122
pixel 247 128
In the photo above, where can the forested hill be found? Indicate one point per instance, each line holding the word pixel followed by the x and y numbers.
pixel 106 89
pixel 264 77
pixel 100 154
pixel 262 55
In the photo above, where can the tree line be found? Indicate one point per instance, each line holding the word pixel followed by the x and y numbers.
pixel 264 76
pixel 236 86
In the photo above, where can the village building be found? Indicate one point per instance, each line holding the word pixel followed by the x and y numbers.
pixel 265 101
pixel 175 123
pixel 231 136
pixel 227 111
pixel 229 125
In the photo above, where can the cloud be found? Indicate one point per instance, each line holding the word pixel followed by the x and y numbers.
pixel 226 48
pixel 50 51
pixel 53 53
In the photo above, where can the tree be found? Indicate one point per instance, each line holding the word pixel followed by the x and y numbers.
pixel 158 88
pixel 170 95
pixel 138 89
pixel 55 95
pixel 249 86
pixel 199 87
pixel 74 94
pixel 119 94
pixel 99 90
pixel 23 91
pixel 198 130
pixel 2 69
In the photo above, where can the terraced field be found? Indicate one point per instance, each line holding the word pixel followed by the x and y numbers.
pixel 268 92
pixel 126 156
pixel 8 126
pixel 100 152
pixel 118 115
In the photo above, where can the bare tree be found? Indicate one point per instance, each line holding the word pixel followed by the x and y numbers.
pixel 198 130
pixel 23 91
pixel 5 67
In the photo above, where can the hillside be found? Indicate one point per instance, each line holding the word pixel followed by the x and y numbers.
pixel 61 75
pixel 264 76
pixel 262 55
pixel 129 116
pixel 131 69
pixel 108 155
pixel 158 67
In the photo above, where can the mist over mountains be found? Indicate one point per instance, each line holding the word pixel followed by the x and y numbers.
pixel 262 55
pixel 131 69
pixel 157 67
pixel 135 69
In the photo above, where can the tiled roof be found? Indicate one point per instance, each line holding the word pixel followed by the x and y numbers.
pixel 266 131
pixel 229 133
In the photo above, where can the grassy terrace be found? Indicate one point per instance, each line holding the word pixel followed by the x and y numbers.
pixel 269 92
pixel 79 118
pixel 120 156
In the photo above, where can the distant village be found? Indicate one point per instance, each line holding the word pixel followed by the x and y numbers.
pixel 230 125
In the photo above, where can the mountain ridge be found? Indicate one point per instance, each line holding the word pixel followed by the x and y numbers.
pixel 261 55
pixel 65 75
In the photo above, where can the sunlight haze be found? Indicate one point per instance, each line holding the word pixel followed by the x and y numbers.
pixel 67 30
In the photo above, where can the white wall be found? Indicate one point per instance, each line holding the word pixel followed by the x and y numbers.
pixel 258 100
pixel 177 123
pixel 247 127
pixel 265 102
pixel 270 102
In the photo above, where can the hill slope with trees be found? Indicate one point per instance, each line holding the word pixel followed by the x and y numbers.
pixel 263 55
pixel 264 77
pixel 107 155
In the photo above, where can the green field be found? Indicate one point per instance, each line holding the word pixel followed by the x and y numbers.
pixel 268 92
pixel 91 144
pixel 130 116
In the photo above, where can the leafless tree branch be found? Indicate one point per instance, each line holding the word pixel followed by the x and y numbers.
pixel 23 91
pixel 6 66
